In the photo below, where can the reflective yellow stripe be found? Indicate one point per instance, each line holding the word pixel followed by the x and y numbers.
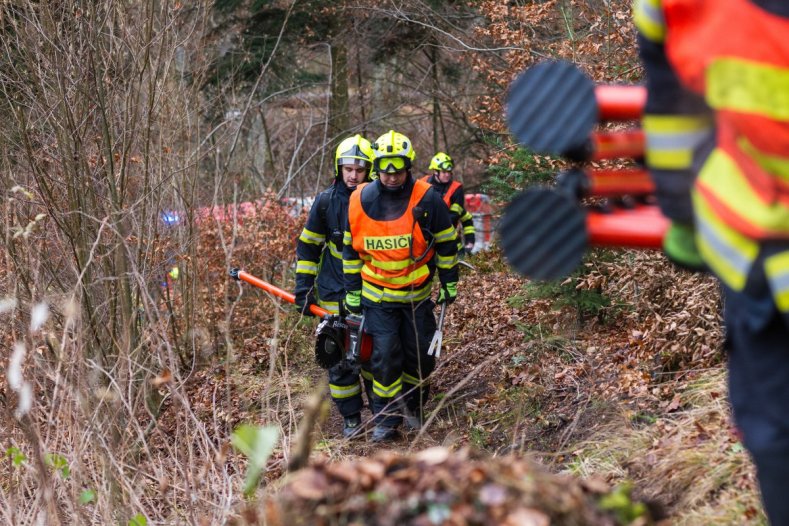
pixel 334 251
pixel 347 239
pixel 774 164
pixel 729 254
pixel 456 208
pixel 446 261
pixel 413 276
pixel 388 391
pixel 367 375
pixel 777 270
pixel 308 236
pixel 390 265
pixel 722 177
pixel 748 87
pixel 648 17
pixel 671 139
pixel 377 295
pixel 331 306
pixel 352 266
pixel 344 391
pixel 306 267
pixel 465 217
pixel 448 234
pixel 469 229
pixel 413 380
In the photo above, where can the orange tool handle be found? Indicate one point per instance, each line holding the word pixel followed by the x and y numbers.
pixel 624 181
pixel 620 103
pixel 276 291
pixel 641 227
pixel 615 145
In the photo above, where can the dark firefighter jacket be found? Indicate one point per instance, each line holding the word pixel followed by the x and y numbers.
pixel 319 248
pixel 453 195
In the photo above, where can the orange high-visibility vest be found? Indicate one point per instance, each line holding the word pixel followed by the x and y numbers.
pixel 737 56
pixel 387 247
pixel 453 187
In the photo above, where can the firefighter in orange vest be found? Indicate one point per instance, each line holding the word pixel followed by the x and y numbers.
pixel 319 275
pixel 717 128
pixel 399 235
pixel 452 193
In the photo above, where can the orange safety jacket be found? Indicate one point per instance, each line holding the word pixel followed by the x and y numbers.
pixel 388 248
pixel 737 56
pixel 453 187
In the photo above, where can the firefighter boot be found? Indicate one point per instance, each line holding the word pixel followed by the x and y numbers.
pixel 413 419
pixel 384 434
pixel 353 426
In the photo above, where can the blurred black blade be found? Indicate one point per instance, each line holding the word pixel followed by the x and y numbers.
pixel 543 234
pixel 328 352
pixel 551 108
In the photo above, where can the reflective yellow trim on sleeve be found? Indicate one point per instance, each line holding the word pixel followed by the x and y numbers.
pixel 469 230
pixel 333 250
pixel 446 262
pixel 748 87
pixel 306 267
pixel 352 266
pixel 466 217
pixel 672 139
pixel 347 239
pixel 648 17
pixel 456 208
pixel 332 306
pixel 448 234
pixel 313 238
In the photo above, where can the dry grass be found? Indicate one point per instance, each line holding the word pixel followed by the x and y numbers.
pixel 687 460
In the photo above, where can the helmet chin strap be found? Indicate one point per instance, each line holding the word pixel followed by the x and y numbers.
pixel 398 188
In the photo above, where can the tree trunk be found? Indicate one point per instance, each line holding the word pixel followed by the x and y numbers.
pixel 338 102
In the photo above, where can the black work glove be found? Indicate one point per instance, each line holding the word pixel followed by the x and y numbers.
pixel 303 302
pixel 469 241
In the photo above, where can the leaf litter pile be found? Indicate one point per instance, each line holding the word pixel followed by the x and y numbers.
pixel 438 486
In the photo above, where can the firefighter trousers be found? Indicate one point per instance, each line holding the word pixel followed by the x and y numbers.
pixel 399 363
pixel 345 388
pixel 757 342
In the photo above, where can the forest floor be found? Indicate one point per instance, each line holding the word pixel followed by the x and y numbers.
pixel 614 376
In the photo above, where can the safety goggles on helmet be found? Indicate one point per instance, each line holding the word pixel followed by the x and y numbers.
pixel 445 166
pixel 391 164
pixel 354 150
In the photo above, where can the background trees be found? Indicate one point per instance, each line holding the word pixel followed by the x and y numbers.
pixel 124 383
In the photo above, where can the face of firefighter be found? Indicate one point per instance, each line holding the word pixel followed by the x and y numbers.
pixel 353 174
pixel 444 177
pixel 394 179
